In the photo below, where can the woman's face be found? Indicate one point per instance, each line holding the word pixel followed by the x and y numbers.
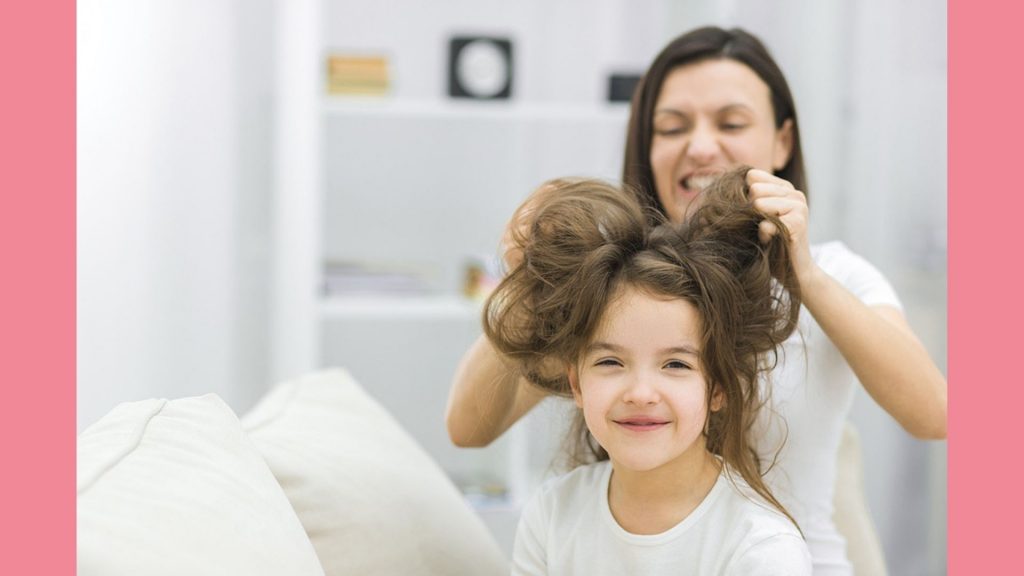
pixel 712 116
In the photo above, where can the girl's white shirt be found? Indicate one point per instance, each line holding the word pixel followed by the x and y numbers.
pixel 568 529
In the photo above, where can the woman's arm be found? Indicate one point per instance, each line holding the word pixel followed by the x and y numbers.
pixel 875 341
pixel 884 353
pixel 486 397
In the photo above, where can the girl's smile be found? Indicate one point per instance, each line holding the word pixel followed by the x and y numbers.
pixel 642 423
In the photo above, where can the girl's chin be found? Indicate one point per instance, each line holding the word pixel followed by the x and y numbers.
pixel 636 463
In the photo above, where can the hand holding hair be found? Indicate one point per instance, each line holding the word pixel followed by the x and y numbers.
pixel 774 196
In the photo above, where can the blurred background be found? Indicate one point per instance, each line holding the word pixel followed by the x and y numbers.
pixel 267 187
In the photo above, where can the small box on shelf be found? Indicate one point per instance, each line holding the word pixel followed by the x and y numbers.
pixel 347 278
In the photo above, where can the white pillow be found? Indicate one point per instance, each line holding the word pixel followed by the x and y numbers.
pixel 175 487
pixel 371 500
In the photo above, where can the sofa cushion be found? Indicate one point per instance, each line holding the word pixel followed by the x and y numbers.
pixel 370 498
pixel 175 487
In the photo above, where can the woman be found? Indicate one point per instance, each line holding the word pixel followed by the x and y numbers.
pixel 714 99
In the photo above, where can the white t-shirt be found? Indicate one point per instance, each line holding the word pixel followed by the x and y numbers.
pixel 568 529
pixel 812 391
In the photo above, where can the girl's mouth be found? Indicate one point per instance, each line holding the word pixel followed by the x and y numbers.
pixel 641 424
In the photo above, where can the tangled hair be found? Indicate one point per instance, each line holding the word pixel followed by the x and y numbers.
pixel 700 45
pixel 587 240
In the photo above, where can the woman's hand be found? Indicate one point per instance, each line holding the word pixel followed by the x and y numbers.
pixel 774 196
pixel 876 341
pixel 517 232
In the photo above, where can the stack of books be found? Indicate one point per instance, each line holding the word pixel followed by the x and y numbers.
pixel 356 278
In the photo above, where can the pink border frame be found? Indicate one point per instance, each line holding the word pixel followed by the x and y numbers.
pixel 37 291
pixel 986 389
pixel 37 308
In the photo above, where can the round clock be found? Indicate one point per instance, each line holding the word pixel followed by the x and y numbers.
pixel 480 67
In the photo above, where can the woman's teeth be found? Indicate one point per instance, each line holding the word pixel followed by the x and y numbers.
pixel 698 183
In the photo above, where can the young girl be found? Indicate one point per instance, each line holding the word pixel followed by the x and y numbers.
pixel 663 333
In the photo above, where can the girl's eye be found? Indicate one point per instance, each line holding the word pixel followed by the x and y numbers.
pixel 607 362
pixel 677 365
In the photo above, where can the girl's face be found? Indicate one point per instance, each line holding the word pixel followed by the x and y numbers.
pixel 640 384
pixel 712 116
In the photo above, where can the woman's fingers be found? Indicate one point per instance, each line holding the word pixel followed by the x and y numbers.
pixel 777 197
pixel 778 206
pixel 513 253
pixel 515 235
pixel 764 186
pixel 773 196
pixel 791 210
pixel 772 190
pixel 518 228
pixel 755 176
pixel 765 231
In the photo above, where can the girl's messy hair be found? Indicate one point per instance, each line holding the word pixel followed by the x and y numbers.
pixel 587 239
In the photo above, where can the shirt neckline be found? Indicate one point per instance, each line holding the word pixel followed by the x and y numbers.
pixel 669 535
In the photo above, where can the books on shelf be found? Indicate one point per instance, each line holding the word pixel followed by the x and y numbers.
pixel 484 491
pixel 357 278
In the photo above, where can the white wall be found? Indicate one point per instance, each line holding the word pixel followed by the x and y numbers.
pixel 894 193
pixel 563 48
pixel 171 197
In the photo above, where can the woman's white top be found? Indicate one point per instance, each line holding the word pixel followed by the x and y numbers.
pixel 812 390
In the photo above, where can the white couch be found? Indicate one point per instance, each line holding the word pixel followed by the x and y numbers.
pixel 318 479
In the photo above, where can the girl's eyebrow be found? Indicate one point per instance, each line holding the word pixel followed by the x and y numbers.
pixel 686 350
pixel 602 346
pixel 615 348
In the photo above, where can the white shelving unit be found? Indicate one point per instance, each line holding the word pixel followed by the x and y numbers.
pixel 427 184
pixel 444 307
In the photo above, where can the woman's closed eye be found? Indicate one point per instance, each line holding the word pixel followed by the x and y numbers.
pixel 674 131
pixel 733 126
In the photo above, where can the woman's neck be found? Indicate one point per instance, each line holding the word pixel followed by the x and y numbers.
pixel 653 501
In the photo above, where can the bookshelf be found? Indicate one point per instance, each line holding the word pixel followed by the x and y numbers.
pixel 423 186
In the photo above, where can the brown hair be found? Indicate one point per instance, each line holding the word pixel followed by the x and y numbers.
pixel 587 240
pixel 708 43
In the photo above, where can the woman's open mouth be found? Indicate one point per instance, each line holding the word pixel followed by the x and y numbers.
pixel 696 183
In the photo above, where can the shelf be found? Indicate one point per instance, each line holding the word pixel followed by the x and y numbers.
pixel 472 109
pixel 405 307
pixel 495 505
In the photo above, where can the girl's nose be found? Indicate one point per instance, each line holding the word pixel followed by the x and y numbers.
pixel 640 392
